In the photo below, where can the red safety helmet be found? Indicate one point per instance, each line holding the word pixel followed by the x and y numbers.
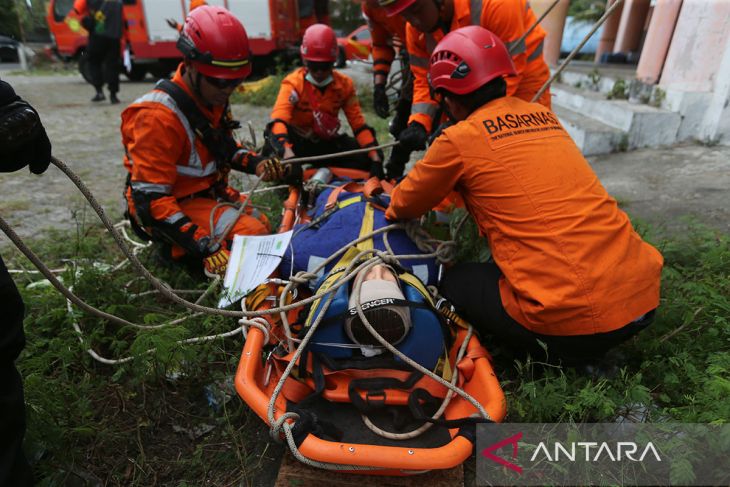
pixel 319 44
pixel 216 43
pixel 467 59
pixel 394 7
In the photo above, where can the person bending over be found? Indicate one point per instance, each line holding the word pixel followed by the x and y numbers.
pixel 568 268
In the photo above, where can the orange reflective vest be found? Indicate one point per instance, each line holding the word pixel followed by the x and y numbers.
pixel 509 20
pixel 164 156
pixel 572 263
pixel 293 107
pixel 382 31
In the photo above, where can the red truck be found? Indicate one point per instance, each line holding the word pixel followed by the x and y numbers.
pixel 272 27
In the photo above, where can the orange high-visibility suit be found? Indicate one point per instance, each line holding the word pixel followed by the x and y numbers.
pixel 509 20
pixel 174 179
pixel 383 30
pixel 298 100
pixel 571 262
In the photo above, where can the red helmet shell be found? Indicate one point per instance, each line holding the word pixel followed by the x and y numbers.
pixel 467 59
pixel 319 44
pixel 216 43
pixel 394 7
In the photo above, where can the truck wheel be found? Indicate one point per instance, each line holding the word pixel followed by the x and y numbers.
pixel 341 59
pixel 137 74
pixel 84 67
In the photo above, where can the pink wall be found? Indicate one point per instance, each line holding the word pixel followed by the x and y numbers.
pixel 658 38
pixel 698 44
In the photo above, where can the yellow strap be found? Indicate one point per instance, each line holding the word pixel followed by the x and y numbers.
pixel 368 221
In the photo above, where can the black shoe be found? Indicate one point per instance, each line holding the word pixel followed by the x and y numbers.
pixel 99 97
pixel 113 98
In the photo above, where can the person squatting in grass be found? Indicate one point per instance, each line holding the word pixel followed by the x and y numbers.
pixel 304 121
pixel 567 267
pixel 179 145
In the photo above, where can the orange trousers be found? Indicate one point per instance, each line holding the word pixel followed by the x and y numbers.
pixel 251 221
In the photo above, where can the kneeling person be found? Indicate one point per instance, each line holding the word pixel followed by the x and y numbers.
pixel 179 145
pixel 304 121
pixel 568 269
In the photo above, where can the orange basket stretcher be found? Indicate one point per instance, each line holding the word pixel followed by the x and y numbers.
pixel 360 451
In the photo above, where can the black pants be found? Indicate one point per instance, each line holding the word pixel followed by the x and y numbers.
pixel 473 289
pixel 14 468
pixel 104 61
pixel 304 147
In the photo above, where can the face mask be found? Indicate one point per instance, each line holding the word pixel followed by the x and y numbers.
pixel 318 84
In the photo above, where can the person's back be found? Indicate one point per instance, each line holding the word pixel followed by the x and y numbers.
pixel 536 191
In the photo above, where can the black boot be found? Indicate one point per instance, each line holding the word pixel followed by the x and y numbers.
pixel 113 98
pixel 99 96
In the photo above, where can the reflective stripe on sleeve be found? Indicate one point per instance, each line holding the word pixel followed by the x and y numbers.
pixel 195 172
pixel 228 216
pixel 516 47
pixel 475 7
pixel 175 217
pixel 143 187
pixel 537 53
pixel 426 108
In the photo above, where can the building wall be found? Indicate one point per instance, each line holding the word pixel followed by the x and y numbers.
pixel 696 74
pixel 700 36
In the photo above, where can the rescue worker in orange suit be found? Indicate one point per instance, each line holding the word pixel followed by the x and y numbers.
pixel 568 268
pixel 104 19
pixel 304 121
pixel 430 20
pixel 24 142
pixel 387 33
pixel 179 145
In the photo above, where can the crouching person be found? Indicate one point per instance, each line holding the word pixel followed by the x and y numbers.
pixel 304 121
pixel 179 145
pixel 568 269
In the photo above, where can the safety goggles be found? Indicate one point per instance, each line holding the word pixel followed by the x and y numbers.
pixel 319 66
pixel 223 83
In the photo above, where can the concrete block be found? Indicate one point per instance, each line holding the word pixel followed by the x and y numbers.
pixel 591 137
pixel 647 126
pixel 692 107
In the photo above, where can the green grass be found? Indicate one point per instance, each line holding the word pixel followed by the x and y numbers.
pixel 131 424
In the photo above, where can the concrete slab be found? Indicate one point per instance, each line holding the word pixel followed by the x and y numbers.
pixel 591 136
pixel 663 186
pixel 647 126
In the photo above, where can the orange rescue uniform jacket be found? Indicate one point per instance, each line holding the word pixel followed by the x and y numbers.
pixel 509 20
pixel 164 156
pixel 293 107
pixel 382 31
pixel 572 264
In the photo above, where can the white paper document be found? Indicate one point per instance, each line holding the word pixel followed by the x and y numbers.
pixel 252 260
pixel 127 60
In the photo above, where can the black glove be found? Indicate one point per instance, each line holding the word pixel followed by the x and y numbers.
pixel 376 170
pixel 439 130
pixel 399 157
pixel 23 139
pixel 293 174
pixel 381 104
pixel 413 137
